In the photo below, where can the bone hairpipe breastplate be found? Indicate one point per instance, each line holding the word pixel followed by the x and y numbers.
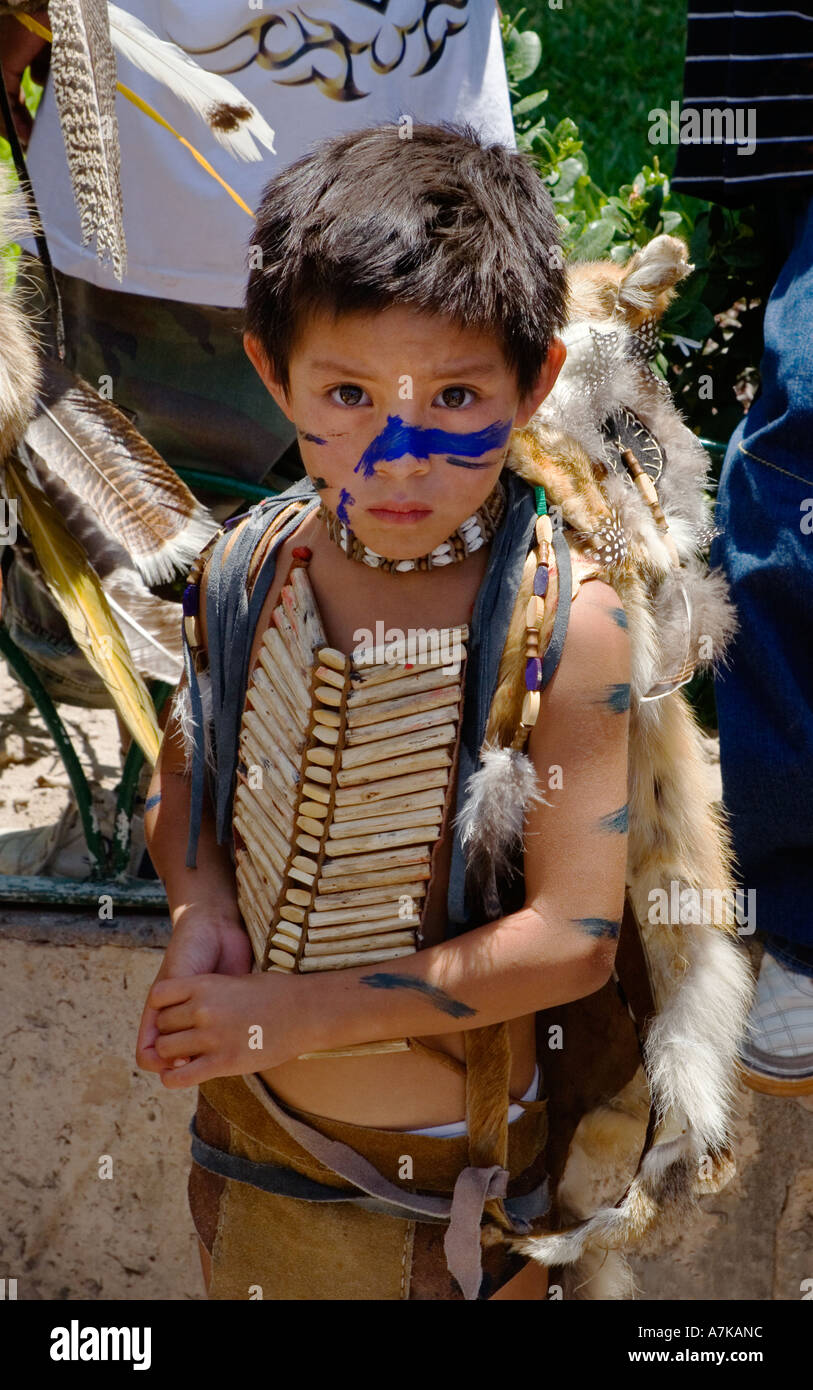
pixel 342 782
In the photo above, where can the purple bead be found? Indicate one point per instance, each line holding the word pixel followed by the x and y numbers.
pixel 191 598
pixel 541 581
pixel 533 673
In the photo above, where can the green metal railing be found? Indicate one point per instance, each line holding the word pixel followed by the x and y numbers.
pixel 108 860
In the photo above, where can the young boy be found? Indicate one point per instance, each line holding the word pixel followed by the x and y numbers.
pixel 404 316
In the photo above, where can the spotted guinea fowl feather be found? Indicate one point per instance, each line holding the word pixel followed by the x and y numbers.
pixel 83 77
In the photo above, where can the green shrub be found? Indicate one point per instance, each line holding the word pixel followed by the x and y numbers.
pixel 712 333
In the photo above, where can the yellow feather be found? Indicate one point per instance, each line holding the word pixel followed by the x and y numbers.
pixel 77 591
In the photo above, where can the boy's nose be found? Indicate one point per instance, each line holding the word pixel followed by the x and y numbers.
pixel 405 466
pixel 401 449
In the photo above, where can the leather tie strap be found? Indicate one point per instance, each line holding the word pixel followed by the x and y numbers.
pixel 461 1243
pixel 474 1186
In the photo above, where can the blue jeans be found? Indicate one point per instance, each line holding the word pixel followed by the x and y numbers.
pixel 765 697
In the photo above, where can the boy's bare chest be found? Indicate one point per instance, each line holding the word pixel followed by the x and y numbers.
pixel 360 607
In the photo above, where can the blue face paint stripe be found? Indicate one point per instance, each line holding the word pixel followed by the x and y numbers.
pixel 598 926
pixel 152 802
pixel 468 463
pixel 617 822
pixel 434 995
pixel 619 617
pixel 397 439
pixel 345 501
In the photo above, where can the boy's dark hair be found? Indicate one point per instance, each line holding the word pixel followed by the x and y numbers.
pixel 438 221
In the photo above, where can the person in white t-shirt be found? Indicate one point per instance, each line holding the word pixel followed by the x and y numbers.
pixel 167 339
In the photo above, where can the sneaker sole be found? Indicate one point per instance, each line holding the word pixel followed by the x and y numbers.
pixel 775 1085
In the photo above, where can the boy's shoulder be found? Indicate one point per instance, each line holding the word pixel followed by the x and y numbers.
pixel 265 519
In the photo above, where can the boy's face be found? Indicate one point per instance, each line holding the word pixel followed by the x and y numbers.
pixel 403 420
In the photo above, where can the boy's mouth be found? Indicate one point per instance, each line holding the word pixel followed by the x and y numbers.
pixel 401 513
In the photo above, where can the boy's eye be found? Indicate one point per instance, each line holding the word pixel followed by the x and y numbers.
pixel 349 395
pixel 453 396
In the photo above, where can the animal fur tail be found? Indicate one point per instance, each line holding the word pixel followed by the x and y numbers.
pixel 19 373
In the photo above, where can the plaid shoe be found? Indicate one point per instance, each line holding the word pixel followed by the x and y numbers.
pixel 776 1056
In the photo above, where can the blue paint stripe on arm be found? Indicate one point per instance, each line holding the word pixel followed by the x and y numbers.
pixel 617 822
pixel 441 1000
pixel 598 926
pixel 617 698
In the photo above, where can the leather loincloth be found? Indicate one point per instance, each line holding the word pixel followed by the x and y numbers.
pixel 267 1245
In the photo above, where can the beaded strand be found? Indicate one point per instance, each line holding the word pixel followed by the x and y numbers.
pixel 534 614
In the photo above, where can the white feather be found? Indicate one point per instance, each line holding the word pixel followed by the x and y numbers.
pixel 206 92
pixel 498 797
pixel 182 711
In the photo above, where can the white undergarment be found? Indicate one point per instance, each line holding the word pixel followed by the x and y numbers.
pixel 457 1127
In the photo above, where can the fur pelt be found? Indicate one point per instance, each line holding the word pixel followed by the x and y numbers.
pixel 702 984
pixel 19 371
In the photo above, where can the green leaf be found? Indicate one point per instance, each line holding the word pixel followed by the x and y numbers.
pixel 595 239
pixel 652 214
pixel 566 130
pixel 523 53
pixel 569 171
pixel 671 220
pixel 530 103
pixel 698 324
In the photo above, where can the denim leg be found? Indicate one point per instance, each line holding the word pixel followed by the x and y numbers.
pixel 765 696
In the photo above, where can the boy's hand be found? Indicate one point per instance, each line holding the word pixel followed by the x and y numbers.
pixel 199 946
pixel 226 1025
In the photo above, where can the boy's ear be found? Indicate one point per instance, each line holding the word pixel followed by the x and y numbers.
pixel 256 355
pixel 551 367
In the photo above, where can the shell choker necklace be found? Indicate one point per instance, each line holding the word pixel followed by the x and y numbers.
pixel 476 531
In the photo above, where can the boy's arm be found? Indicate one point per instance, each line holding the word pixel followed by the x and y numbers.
pixel 208 935
pixel 559 947
pixel 210 887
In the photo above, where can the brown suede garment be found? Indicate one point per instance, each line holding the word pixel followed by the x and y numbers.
pixel 279 1248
